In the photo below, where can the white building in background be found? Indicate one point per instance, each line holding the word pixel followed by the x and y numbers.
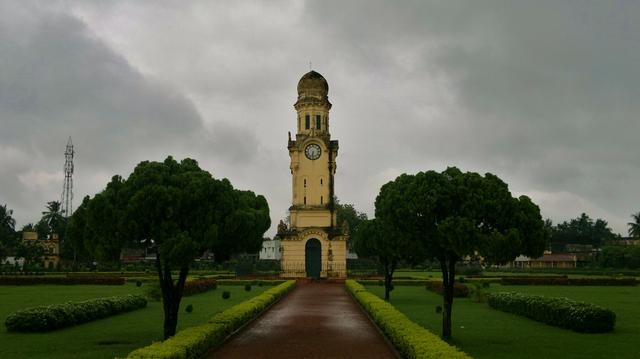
pixel 271 250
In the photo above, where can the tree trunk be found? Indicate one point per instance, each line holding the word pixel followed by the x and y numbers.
pixel 389 268
pixel 448 276
pixel 171 295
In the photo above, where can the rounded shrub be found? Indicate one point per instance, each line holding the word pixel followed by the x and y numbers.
pixel 486 285
pixel 189 308
pixel 138 283
pixel 461 279
pixel 247 287
pixel 226 294
pixel 438 309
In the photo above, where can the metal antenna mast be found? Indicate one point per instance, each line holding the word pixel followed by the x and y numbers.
pixel 67 187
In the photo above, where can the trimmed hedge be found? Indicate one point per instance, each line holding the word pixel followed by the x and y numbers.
pixel 407 282
pixel 28 280
pixel 409 338
pixel 198 286
pixel 195 341
pixel 50 317
pixel 243 282
pixel 560 312
pixel 459 290
pixel 567 281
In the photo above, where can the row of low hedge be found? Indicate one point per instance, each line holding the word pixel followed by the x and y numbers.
pixel 258 282
pixel 55 316
pixel 112 274
pixel 198 286
pixel 29 280
pixel 567 281
pixel 406 282
pixel 556 311
pixel 195 341
pixel 459 290
pixel 409 338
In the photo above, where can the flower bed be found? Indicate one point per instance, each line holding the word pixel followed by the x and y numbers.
pixel 459 290
pixel 198 286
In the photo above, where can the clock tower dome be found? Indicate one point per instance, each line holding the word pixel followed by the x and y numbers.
pixel 312 244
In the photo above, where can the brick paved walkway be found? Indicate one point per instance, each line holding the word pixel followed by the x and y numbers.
pixel 316 320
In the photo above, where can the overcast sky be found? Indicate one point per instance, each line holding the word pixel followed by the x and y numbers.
pixel 543 94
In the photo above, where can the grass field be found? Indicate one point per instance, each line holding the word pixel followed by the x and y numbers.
pixel 105 338
pixel 483 332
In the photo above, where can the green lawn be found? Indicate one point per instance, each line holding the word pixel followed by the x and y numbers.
pixel 105 338
pixel 483 332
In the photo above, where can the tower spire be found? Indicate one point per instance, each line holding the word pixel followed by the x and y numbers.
pixel 67 187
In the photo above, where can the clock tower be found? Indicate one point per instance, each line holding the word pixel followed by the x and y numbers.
pixel 312 244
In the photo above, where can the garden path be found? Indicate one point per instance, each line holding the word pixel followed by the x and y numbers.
pixel 316 320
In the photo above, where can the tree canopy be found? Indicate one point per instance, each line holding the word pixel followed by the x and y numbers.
pixel 634 227
pixel 373 239
pixel 451 215
pixel 348 213
pixel 580 230
pixel 7 230
pixel 179 209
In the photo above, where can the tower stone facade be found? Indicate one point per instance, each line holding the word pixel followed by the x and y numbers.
pixel 312 244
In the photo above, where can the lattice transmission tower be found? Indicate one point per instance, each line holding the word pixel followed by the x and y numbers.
pixel 67 187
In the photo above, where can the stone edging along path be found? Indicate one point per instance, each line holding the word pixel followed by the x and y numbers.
pixel 315 320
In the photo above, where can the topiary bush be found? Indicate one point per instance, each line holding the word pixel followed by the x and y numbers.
pixel 247 287
pixel 138 283
pixel 55 316
pixel 226 294
pixel 556 311
pixel 189 308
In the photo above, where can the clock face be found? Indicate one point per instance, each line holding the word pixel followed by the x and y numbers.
pixel 312 151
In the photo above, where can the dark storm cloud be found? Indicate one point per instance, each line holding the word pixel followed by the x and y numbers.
pixel 57 79
pixel 541 93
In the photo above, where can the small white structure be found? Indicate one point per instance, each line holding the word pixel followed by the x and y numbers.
pixel 11 260
pixel 271 249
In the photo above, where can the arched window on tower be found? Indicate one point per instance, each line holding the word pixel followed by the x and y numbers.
pixel 318 121
pixel 305 183
pixel 320 181
pixel 305 199
pixel 307 121
pixel 321 200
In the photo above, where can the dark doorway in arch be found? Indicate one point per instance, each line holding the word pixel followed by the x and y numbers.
pixel 313 258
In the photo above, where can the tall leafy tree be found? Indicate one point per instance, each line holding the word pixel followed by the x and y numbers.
pixel 454 214
pixel 179 209
pixel 580 230
pixel 76 233
pixel 348 213
pixel 634 227
pixel 7 230
pixel 373 239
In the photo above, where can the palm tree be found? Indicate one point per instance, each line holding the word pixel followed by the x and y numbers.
pixel 7 224
pixel 634 227
pixel 53 217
